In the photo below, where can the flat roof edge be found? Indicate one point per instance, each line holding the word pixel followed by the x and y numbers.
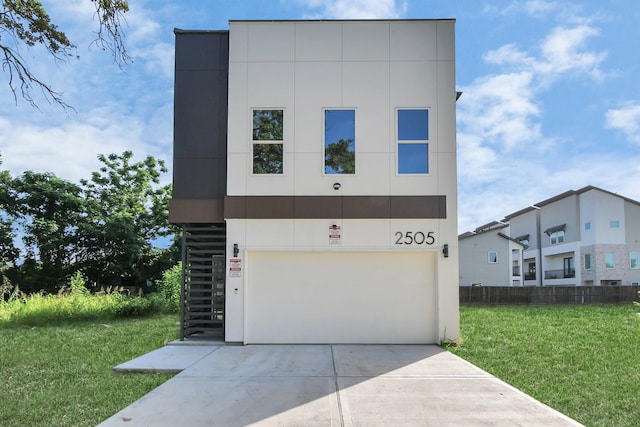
pixel 181 31
pixel 345 20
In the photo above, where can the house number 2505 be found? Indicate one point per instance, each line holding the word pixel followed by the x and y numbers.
pixel 414 238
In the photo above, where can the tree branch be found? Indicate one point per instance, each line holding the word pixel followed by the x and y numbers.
pixel 22 79
pixel 110 33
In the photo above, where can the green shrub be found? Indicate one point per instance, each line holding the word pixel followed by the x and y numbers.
pixel 169 287
pixel 77 283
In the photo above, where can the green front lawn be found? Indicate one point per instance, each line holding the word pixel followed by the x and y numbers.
pixel 583 361
pixel 60 375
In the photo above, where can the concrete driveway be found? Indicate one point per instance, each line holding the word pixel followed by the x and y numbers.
pixel 326 385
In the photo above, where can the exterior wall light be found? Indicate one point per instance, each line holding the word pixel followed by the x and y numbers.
pixel 337 185
pixel 445 250
pixel 236 250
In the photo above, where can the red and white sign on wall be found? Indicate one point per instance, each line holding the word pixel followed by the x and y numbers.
pixel 235 267
pixel 335 235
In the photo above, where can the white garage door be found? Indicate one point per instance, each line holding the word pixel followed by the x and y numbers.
pixel 346 297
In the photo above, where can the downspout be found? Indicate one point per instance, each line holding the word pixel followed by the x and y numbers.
pixel 539 236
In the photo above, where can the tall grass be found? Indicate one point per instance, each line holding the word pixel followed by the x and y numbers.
pixel 75 302
pixel 57 351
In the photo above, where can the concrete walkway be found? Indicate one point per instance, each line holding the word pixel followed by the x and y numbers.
pixel 326 385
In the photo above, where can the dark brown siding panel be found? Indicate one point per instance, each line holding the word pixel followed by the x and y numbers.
pixel 235 207
pixel 195 211
pixel 335 207
pixel 200 126
pixel 311 207
pixel 418 207
pixel 269 207
pixel 196 178
pixel 366 207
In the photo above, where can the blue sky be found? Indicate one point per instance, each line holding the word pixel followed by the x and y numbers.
pixel 551 92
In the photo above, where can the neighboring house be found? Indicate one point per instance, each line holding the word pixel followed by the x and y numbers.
pixel 315 181
pixel 491 257
pixel 586 237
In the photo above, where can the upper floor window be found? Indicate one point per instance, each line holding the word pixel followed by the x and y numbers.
pixel 523 240
pixel 587 261
pixel 634 260
pixel 413 137
pixel 492 257
pixel 614 224
pixel 587 226
pixel 268 127
pixel 557 237
pixel 340 141
pixel 609 260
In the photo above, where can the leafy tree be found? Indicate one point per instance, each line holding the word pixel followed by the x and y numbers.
pixel 26 23
pixel 339 157
pixel 127 211
pixel 8 252
pixel 49 211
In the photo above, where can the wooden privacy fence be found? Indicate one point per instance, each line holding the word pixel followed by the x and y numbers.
pixel 547 295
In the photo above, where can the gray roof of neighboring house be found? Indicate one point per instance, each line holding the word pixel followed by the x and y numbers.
pixel 545 202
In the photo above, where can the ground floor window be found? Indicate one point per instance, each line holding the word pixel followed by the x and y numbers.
pixel 634 260
pixel 609 260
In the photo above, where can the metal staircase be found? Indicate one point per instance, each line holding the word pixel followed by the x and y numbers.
pixel 203 281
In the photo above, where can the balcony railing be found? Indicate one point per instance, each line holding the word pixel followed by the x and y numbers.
pixel 529 276
pixel 560 274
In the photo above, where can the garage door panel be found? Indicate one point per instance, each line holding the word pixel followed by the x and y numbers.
pixel 298 297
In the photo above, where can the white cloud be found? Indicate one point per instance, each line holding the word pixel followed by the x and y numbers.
pixel 562 53
pixel 540 9
pixel 500 109
pixel 505 160
pixel 626 119
pixel 70 150
pixel 356 9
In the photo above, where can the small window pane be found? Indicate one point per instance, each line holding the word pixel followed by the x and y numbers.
pixel 609 260
pixel 267 158
pixel 267 125
pixel 587 261
pixel 614 224
pixel 493 257
pixel 557 237
pixel 413 158
pixel 413 125
pixel 634 260
pixel 587 226
pixel 339 141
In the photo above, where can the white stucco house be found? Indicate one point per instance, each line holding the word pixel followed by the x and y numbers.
pixel 492 258
pixel 585 237
pixel 315 181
